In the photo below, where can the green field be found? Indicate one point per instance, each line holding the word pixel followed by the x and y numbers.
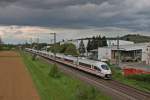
pixel 138 81
pixel 62 88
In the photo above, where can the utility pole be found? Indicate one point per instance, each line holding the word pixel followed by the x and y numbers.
pixel 118 51
pixel 26 43
pixel 38 42
pixel 54 45
pixel 31 42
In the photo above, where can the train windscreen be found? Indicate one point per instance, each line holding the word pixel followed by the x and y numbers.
pixel 105 67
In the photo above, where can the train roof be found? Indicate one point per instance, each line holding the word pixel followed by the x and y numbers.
pixel 93 62
pixel 87 61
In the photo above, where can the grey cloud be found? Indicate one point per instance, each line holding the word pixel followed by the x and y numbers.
pixel 8 0
pixel 4 3
pixel 77 13
pixel 49 4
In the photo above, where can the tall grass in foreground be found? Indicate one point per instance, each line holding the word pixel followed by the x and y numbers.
pixel 61 88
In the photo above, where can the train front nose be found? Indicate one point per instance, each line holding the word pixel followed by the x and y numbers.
pixel 109 76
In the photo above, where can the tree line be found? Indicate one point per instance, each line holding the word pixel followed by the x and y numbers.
pixel 92 44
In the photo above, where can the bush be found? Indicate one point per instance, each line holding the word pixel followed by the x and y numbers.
pixel 141 77
pixel 34 57
pixel 54 71
pixel 85 93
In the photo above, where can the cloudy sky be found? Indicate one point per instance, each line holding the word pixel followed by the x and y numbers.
pixel 21 20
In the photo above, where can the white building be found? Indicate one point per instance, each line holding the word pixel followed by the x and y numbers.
pixel 121 42
pixel 140 51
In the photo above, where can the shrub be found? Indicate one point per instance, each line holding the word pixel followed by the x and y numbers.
pixel 54 71
pixel 141 77
pixel 34 57
pixel 85 93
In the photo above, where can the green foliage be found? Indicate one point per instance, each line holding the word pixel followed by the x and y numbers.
pixel 93 42
pixel 89 45
pixel 81 48
pixel 136 38
pixel 85 93
pixel 99 41
pixel 63 47
pixel 104 41
pixel 71 50
pixel 50 88
pixel 40 45
pixel 138 81
pixel 0 47
pixel 1 43
pixel 96 42
pixel 34 57
pixel 7 47
pixel 55 48
pixel 67 48
pixel 54 71
pixel 141 77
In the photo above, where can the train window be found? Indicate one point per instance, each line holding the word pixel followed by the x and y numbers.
pixel 105 67
pixel 96 68
pixel 86 65
pixel 69 60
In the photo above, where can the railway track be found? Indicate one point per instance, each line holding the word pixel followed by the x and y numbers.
pixel 115 89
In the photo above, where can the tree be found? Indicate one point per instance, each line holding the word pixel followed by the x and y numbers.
pixel 89 45
pixel 104 41
pixel 100 41
pixel 128 39
pixel 63 47
pixel 1 43
pixel 93 46
pixel 55 48
pixel 81 48
pixel 71 50
pixel 67 48
pixel 96 42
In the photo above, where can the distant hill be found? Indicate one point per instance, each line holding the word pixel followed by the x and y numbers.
pixel 136 38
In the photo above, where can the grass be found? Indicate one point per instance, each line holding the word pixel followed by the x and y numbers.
pixel 61 88
pixel 131 80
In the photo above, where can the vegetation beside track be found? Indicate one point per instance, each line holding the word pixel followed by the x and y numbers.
pixel 59 88
pixel 141 82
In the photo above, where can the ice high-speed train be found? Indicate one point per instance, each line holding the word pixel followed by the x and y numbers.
pixel 93 67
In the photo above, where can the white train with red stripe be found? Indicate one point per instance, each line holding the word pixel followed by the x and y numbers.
pixel 94 67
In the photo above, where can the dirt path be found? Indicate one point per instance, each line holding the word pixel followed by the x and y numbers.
pixel 15 81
